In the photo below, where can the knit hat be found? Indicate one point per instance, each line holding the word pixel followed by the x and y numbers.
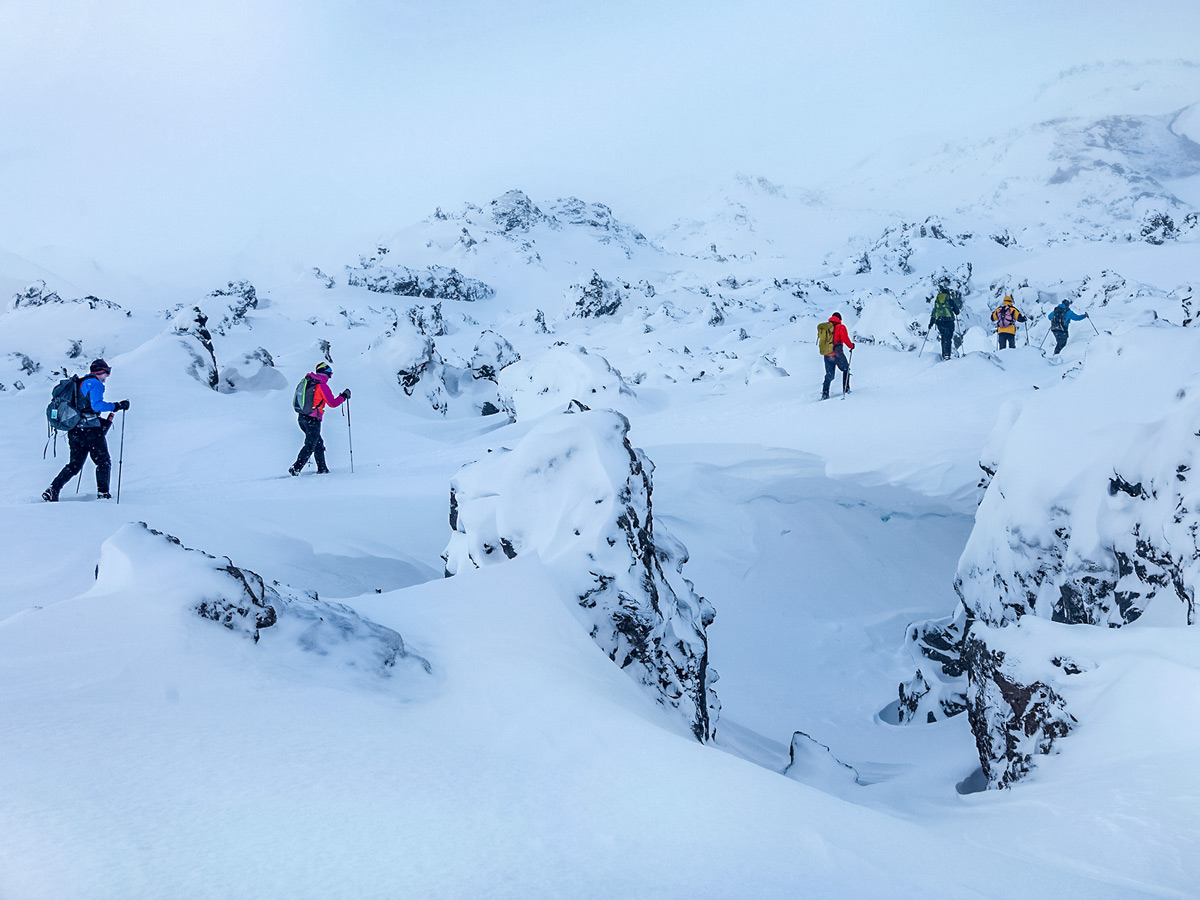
pixel 1008 298
pixel 837 316
pixel 99 366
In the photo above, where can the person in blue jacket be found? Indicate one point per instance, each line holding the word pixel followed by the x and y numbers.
pixel 88 437
pixel 1060 319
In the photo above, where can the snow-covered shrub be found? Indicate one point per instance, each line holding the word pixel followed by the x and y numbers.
pixel 576 492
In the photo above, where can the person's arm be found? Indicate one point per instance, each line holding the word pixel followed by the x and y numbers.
pixel 93 389
pixel 331 400
pixel 1074 316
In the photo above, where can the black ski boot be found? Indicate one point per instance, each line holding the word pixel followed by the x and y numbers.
pixel 322 471
pixel 103 495
pixel 50 495
pixel 294 470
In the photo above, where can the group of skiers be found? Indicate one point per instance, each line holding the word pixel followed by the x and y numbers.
pixel 87 436
pixel 83 400
pixel 947 304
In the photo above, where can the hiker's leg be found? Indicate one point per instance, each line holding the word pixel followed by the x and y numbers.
pixel 77 441
pixel 98 449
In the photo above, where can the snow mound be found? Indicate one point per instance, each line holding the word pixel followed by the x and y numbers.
pixel 576 492
pixel 550 381
pixel 292 628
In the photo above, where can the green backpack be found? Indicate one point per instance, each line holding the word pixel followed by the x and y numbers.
pixel 944 305
pixel 825 338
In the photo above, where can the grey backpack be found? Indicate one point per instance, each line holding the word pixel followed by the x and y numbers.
pixel 66 405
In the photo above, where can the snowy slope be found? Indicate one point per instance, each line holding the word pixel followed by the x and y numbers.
pixel 153 752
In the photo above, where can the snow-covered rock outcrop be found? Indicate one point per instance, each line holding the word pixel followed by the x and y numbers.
pixel 466 387
pixel 1085 522
pixel 561 376
pixel 576 492
pixel 434 282
pixel 140 561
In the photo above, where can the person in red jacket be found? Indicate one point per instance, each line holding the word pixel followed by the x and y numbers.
pixel 836 359
pixel 311 409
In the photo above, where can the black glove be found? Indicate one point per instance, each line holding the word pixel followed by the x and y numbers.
pixel 346 393
pixel 122 404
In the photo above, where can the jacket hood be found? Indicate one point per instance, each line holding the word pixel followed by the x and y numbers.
pixel 319 376
pixel 836 317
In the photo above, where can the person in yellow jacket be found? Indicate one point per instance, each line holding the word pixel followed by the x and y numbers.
pixel 1006 316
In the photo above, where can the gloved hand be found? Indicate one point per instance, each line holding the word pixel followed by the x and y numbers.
pixel 1086 316
pixel 346 393
pixel 122 404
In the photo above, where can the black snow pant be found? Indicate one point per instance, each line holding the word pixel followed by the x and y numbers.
pixel 1060 341
pixel 834 361
pixel 1008 339
pixel 946 330
pixel 313 445
pixel 85 442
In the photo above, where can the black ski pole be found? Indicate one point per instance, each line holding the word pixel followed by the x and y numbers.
pixel 121 457
pixel 1026 332
pixel 80 479
pixel 1044 336
pixel 350 434
pixel 923 340
pixel 846 376
pixel 1093 324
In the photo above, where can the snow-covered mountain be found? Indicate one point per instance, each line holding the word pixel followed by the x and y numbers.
pixel 587 469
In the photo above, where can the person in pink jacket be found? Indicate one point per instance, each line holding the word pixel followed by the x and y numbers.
pixel 312 397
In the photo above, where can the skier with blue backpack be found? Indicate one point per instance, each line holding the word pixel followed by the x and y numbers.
pixel 75 407
pixel 1060 319
pixel 312 398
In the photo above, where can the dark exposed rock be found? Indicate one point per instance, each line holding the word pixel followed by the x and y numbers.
pixel 193 323
pixel 38 295
pixel 596 298
pixel 1013 722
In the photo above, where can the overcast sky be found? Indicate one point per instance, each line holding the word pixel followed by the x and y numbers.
pixel 145 133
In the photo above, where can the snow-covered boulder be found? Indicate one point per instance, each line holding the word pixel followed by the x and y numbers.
pixel 597 297
pixel 285 625
pixel 515 212
pixel 447 389
pixel 551 381
pixel 575 492
pixel 1085 522
pixel 254 371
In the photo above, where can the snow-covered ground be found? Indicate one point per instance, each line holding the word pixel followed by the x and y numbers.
pixel 389 731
